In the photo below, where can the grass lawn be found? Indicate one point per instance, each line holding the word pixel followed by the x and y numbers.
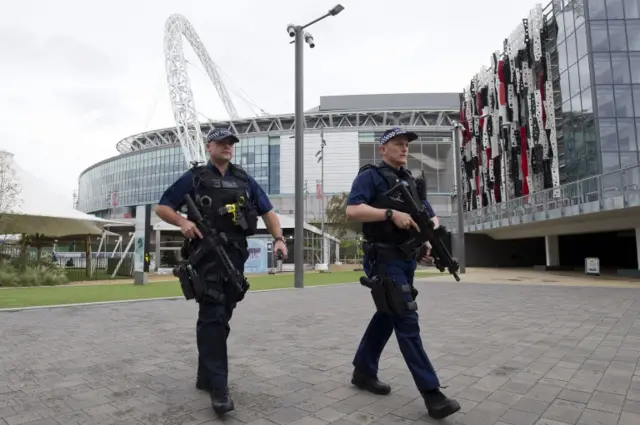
pixel 40 296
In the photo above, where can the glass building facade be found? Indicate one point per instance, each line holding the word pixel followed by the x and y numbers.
pixel 140 178
pixel 598 59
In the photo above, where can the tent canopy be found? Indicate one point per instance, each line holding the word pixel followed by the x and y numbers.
pixel 40 208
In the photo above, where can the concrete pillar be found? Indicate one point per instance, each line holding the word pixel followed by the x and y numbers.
pixel 327 249
pixel 638 246
pixel 157 263
pixel 552 249
pixel 337 253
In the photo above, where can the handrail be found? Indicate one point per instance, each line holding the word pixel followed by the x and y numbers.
pixel 597 188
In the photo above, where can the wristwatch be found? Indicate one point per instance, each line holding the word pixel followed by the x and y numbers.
pixel 388 213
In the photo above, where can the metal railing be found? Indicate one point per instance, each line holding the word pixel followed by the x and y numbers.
pixel 609 191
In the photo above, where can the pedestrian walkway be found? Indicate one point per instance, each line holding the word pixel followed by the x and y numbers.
pixel 511 354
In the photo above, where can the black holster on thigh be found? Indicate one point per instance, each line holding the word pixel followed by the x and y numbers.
pixel 388 297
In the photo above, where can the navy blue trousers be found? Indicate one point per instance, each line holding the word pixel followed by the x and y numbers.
pixel 407 332
pixel 212 328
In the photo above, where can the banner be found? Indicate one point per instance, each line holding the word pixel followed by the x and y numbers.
pixel 258 256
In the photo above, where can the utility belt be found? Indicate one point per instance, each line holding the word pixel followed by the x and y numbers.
pixel 384 252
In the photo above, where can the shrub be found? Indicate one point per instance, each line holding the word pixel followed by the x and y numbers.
pixel 33 274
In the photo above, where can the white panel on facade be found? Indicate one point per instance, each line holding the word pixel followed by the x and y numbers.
pixel 341 162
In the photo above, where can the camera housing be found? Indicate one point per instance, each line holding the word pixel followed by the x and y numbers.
pixel 308 38
pixel 291 30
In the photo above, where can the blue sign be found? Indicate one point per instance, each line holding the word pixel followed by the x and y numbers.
pixel 258 256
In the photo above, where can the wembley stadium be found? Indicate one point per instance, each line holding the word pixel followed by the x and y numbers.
pixel 149 162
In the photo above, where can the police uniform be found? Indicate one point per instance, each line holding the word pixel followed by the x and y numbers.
pixel 212 192
pixel 383 258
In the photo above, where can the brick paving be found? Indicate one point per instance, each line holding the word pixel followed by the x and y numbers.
pixel 511 354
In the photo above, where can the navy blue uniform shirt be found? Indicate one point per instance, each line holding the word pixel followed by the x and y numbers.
pixel 367 185
pixel 174 195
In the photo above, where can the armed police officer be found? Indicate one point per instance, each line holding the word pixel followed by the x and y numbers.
pixel 229 201
pixel 385 228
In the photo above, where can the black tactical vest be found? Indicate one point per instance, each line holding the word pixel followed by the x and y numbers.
pixel 225 202
pixel 386 231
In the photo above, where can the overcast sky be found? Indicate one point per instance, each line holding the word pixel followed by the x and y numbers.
pixel 78 76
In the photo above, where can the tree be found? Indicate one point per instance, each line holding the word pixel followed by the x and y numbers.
pixel 9 185
pixel 337 215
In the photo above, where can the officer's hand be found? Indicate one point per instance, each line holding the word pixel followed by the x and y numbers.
pixel 190 230
pixel 280 248
pixel 403 220
pixel 427 255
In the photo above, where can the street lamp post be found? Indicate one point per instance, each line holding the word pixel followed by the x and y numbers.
pixel 458 170
pixel 297 31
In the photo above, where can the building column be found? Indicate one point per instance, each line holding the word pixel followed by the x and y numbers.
pixel 552 250
pixel 157 263
pixel 337 253
pixel 638 246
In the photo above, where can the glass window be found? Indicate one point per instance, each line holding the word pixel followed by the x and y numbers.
pixel 562 56
pixel 624 101
pixel 636 100
pixel 576 105
pixel 617 36
pixel 566 107
pixel 606 105
pixel 615 9
pixel 587 104
pixel 634 61
pixel 620 68
pixel 585 75
pixel 599 36
pixel 367 150
pixel 578 12
pixel 574 79
pixel 560 22
pixel 602 68
pixel 610 161
pixel 597 9
pixel 628 159
pixel 564 86
pixel 581 40
pixel 627 134
pixel 633 33
pixel 608 135
pixel 572 53
pixel 569 25
pixel 631 9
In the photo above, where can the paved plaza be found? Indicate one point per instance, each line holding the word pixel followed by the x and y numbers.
pixel 511 354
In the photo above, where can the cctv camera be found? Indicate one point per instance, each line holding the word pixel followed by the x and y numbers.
pixel 308 38
pixel 291 30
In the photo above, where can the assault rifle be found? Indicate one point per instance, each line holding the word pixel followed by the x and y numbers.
pixel 428 233
pixel 212 242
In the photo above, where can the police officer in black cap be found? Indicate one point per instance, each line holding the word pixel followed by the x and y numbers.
pixel 218 188
pixel 385 229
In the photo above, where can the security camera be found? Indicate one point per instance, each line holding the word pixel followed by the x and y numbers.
pixel 308 38
pixel 291 30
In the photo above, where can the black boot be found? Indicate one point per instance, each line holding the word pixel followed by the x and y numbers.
pixel 202 385
pixel 439 405
pixel 221 402
pixel 370 384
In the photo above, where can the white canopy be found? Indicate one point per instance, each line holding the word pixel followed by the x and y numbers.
pixel 39 207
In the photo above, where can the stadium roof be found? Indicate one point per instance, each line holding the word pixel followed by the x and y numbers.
pixel 416 111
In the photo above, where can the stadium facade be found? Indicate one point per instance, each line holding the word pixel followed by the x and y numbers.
pixel 351 126
pixel 550 150
pixel 149 162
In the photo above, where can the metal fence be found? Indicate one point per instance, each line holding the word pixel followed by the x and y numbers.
pixel 609 191
pixel 73 264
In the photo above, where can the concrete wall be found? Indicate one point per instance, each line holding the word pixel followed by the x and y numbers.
pixel 484 251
